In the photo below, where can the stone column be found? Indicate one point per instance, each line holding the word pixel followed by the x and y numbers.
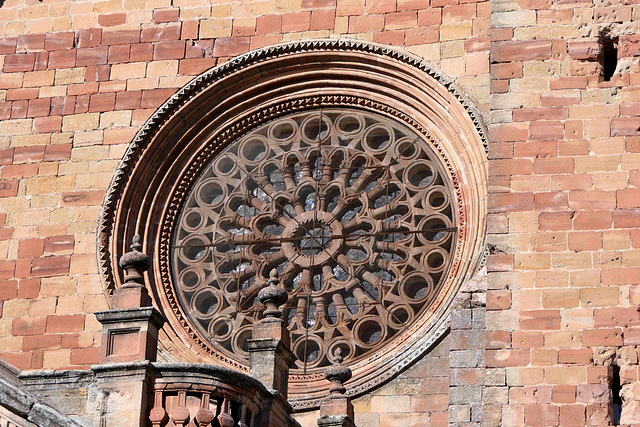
pixel 269 353
pixel 129 345
pixel 336 410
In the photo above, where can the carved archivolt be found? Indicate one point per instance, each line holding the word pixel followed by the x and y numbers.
pixel 348 167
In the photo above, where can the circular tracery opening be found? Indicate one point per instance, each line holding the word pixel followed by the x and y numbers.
pixel 351 208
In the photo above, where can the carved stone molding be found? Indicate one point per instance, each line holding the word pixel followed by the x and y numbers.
pixel 166 160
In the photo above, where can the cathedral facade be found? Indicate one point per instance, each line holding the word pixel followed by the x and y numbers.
pixel 319 212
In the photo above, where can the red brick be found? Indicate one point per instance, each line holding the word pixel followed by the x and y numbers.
pixel 530 114
pixel 31 248
pixel 541 415
pixel 546 130
pixel 430 17
pixel 628 198
pixel 129 100
pixel 155 97
pixel 8 45
pixel 39 107
pixel 498 299
pixel 575 356
pixel 6 157
pixel 65 324
pixel 5 110
pixel 366 24
pixel 57 152
pixel 29 326
pixel 569 82
pixel 501 150
pixel 521 50
pixel 422 35
pixel 41 342
pixel 553 166
pixel 89 37
pixel 585 241
pixel 554 221
pixel 572 415
pixel 592 200
pixel 619 316
pixel 379 6
pixel 258 42
pixel 592 220
pixel 323 20
pixel 112 19
pixel 509 132
pixel 560 98
pixel 498 340
pixel 85 356
pixel 83 198
pixel 19 62
pixel 540 319
pixel 62 105
pixel 91 56
pixel 101 102
pixel 62 59
pixel 527 339
pixel 269 24
pixel 629 45
pixel 59 41
pixel 19 109
pixel 7 269
pixel 166 15
pixel 551 200
pixel 627 126
pixel 58 244
pixel 27 155
pixel 584 49
pixel 169 31
pixel 97 73
pixel 601 337
pixel 82 88
pixel 394 38
pixel 398 20
pixel 169 50
pixel 111 37
pixel 50 266
pixel 563 394
pixel 8 289
pixel 28 42
pixel 8 188
pixel 510 167
pixel 193 67
pixel 295 22
pixel 511 202
pixel 190 29
pixel 82 104
pixel 141 52
pixel 119 53
pixel 29 288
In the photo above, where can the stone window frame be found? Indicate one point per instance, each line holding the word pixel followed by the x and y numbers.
pixel 223 103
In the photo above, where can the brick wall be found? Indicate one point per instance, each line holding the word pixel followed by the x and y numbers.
pixel 78 81
pixel 564 236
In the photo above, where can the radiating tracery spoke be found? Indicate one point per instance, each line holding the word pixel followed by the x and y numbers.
pixel 351 208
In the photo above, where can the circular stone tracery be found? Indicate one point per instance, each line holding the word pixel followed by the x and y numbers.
pixel 352 209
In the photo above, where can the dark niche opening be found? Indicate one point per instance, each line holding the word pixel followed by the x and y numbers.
pixel 616 399
pixel 609 55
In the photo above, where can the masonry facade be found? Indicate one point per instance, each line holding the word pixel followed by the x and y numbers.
pixel 543 330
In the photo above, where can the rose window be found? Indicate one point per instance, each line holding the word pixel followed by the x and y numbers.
pixel 352 209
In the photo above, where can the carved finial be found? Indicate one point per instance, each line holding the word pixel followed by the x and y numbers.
pixel 134 263
pixel 337 373
pixel 273 296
